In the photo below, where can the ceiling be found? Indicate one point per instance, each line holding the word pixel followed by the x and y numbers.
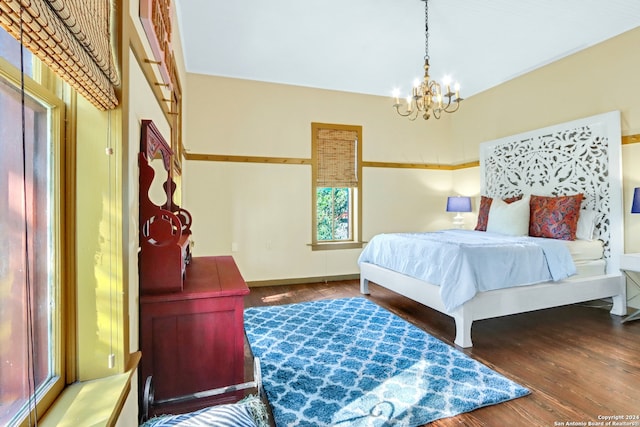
pixel 375 46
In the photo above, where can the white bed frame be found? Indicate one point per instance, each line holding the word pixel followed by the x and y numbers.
pixel 587 150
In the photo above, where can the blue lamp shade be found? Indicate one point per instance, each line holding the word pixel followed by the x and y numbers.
pixel 463 204
pixel 635 207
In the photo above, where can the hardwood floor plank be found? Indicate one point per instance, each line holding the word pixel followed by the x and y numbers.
pixel 578 361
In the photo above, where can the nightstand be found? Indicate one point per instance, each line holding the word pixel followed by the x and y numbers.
pixel 631 262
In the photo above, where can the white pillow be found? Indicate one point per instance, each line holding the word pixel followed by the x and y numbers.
pixel 586 224
pixel 509 218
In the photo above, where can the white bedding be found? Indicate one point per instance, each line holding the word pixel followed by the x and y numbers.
pixel 464 262
pixel 585 250
pixel 590 268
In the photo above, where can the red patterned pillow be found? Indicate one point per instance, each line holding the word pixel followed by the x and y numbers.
pixel 483 212
pixel 555 217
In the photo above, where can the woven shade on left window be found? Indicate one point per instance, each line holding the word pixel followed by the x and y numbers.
pixel 336 153
pixel 73 38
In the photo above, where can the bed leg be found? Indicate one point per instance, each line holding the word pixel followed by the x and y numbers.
pixel 463 329
pixel 620 301
pixel 619 305
pixel 364 286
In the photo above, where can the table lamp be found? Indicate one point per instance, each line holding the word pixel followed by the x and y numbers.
pixel 459 204
pixel 635 206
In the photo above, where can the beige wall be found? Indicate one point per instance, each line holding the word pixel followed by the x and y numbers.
pixel 264 210
pixel 596 80
pixel 241 117
pixel 599 79
pixel 141 104
pixel 98 267
pixel 242 203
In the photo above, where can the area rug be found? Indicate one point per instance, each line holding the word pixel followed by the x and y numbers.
pixel 349 362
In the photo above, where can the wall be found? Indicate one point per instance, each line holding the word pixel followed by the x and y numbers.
pixel 142 106
pixel 140 103
pixel 599 79
pixel 99 269
pixel 265 209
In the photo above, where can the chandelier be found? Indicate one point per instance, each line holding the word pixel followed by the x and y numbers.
pixel 427 97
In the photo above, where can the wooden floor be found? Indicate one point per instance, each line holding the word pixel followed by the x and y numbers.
pixel 580 363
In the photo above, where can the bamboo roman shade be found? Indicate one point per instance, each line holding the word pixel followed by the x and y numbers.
pixel 337 158
pixel 73 38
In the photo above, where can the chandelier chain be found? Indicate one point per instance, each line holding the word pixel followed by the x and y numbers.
pixel 426 30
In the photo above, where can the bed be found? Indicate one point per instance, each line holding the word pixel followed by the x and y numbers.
pixel 578 157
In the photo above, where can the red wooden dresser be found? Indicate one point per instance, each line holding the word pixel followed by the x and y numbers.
pixel 191 308
pixel 193 340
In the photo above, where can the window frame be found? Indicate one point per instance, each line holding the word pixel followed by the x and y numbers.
pixel 356 192
pixel 59 179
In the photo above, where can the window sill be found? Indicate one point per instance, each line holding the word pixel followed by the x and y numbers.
pixel 328 246
pixel 95 403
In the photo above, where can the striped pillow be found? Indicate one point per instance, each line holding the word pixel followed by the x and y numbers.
pixel 231 415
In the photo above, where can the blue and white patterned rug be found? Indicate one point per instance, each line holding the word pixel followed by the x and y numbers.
pixel 349 362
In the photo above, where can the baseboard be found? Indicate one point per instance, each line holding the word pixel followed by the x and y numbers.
pixel 299 281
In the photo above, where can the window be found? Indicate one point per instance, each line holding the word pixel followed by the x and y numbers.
pixel 31 333
pixel 336 175
pixel 333 213
pixel 10 51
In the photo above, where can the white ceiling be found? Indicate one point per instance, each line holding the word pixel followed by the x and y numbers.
pixel 374 46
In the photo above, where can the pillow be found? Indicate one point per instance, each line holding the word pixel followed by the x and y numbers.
pixel 555 217
pixel 586 224
pixel 509 218
pixel 483 211
pixel 249 412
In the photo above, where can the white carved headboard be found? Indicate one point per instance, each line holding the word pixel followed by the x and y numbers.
pixel 581 156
